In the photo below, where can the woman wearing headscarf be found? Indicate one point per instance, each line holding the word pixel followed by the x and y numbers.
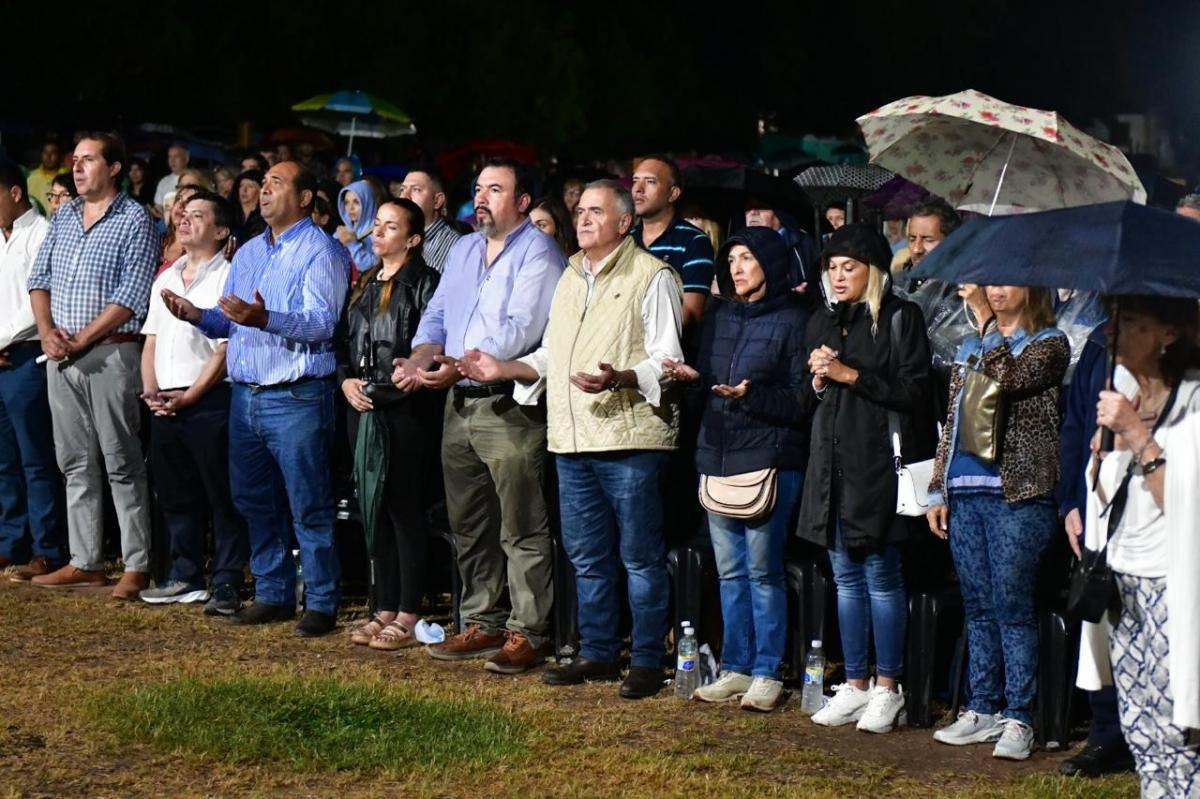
pixel 868 373
pixel 356 206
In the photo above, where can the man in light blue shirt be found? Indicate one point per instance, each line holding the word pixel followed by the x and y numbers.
pixel 282 300
pixel 494 296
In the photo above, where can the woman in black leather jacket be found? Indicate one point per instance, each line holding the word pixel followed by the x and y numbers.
pixel 379 322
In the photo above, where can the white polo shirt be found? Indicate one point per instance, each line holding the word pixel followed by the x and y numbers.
pixel 16 259
pixel 181 351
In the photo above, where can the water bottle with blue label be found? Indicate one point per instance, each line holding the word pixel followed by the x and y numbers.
pixel 813 696
pixel 687 665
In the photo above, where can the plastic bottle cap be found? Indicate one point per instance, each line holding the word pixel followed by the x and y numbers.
pixel 685 624
pixel 816 644
pixel 689 631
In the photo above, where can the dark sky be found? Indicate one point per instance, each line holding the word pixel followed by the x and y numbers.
pixel 583 78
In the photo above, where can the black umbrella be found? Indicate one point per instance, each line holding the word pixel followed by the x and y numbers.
pixel 724 189
pixel 827 184
pixel 1116 248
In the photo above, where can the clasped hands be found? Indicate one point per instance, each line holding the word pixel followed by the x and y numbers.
pixel 166 403
pixel 826 368
pixel 408 377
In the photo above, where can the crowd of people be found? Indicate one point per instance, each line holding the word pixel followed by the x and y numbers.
pixel 681 380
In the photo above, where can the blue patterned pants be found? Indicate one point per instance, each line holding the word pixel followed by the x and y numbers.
pixel 996 548
pixel 1139 649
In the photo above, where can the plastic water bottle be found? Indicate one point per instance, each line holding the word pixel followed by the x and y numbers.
pixel 813 696
pixel 299 578
pixel 687 667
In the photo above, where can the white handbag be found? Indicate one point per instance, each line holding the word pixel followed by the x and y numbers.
pixel 912 479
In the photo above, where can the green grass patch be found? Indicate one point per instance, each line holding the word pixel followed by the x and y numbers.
pixel 319 724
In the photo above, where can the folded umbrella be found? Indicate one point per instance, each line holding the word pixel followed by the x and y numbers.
pixel 372 449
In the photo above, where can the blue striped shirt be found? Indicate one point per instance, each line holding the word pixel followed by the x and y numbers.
pixel 302 277
pixel 687 249
pixel 111 263
pixel 501 309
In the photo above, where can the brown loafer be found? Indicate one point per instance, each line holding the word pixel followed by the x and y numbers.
pixel 34 568
pixel 516 656
pixel 70 577
pixel 130 585
pixel 473 642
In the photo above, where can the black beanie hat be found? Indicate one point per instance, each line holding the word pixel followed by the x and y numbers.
pixel 859 241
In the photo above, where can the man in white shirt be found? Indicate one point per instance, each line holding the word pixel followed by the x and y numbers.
pixel 617 310
pixel 177 161
pixel 183 379
pixel 31 512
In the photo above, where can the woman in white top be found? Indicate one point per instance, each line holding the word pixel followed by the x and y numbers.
pixel 1151 649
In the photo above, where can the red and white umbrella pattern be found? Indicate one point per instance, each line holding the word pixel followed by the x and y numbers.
pixel 964 146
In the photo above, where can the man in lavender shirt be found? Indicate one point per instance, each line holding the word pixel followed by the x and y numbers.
pixel 494 296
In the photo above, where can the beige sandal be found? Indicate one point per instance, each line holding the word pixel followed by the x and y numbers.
pixel 394 636
pixel 363 635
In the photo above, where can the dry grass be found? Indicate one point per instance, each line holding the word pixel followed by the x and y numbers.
pixel 64 653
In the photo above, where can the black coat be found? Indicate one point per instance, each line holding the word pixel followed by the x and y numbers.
pixel 369 340
pixel 762 342
pixel 850 468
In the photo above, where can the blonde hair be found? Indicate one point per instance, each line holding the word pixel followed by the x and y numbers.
pixel 711 229
pixel 873 296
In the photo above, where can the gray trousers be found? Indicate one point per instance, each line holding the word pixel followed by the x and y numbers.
pixel 96 412
pixel 493 462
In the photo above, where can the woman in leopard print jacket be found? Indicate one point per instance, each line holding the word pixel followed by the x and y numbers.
pixel 1000 515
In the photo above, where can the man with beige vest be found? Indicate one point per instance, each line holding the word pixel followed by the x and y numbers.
pixel 616 315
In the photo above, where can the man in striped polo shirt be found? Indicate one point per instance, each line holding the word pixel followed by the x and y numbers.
pixel 425 187
pixel 657 184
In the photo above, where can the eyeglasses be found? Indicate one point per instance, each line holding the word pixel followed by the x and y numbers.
pixel 51 196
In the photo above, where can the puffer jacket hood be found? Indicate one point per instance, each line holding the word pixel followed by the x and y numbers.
pixel 772 254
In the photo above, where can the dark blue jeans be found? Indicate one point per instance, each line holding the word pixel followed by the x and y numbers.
pixel 612 516
pixel 996 548
pixel 189 456
pixel 754 604
pixel 871 597
pixel 31 498
pixel 279 460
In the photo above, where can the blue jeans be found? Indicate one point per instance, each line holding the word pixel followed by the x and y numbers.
pixel 612 516
pixel 279 460
pixel 31 496
pixel 753 590
pixel 996 547
pixel 870 596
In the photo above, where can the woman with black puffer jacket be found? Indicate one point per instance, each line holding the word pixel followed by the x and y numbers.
pixel 754 433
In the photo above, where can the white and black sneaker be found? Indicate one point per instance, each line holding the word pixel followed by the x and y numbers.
pixel 884 711
pixel 971 728
pixel 174 592
pixel 847 705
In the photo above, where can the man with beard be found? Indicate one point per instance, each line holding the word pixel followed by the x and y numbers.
pixel 494 296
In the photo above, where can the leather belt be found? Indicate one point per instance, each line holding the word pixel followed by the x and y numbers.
pixel 491 390
pixel 257 387
pixel 120 338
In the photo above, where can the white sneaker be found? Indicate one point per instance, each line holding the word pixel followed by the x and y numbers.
pixel 1017 741
pixel 971 728
pixel 763 695
pixel 884 711
pixel 730 685
pixel 847 705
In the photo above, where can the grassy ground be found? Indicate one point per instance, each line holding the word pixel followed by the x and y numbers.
pixel 105 699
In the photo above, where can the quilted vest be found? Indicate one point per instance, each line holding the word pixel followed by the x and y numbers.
pixel 579 337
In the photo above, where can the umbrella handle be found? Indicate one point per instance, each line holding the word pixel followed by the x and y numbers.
pixel 1003 172
pixel 1107 438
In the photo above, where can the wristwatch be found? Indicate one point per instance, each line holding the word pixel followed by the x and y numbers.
pixel 1150 467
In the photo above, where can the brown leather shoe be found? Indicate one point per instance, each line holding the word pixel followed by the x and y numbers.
pixel 70 577
pixel 34 568
pixel 472 642
pixel 130 585
pixel 518 655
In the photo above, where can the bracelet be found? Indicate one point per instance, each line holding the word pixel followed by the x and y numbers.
pixel 615 385
pixel 1142 449
pixel 1147 469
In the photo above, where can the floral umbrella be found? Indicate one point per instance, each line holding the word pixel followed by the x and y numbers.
pixel 975 150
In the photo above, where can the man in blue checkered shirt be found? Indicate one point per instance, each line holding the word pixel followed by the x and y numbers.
pixel 90 289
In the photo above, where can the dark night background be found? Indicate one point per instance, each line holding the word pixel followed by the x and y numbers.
pixel 593 79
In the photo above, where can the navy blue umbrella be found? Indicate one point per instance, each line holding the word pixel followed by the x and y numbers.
pixel 1110 248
